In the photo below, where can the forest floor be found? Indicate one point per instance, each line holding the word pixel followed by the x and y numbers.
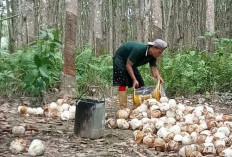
pixel 59 135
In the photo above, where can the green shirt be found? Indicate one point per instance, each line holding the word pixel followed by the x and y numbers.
pixel 136 52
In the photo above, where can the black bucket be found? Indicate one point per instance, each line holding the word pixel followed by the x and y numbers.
pixel 90 118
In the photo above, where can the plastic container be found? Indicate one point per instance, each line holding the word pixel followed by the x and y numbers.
pixel 90 118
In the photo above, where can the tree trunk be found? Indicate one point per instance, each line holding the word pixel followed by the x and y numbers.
pixel 210 24
pixel 138 20
pixel 123 22
pixel 10 23
pixel 116 17
pixel 1 16
pixel 210 16
pixel 25 22
pixel 30 14
pixel 61 17
pixel 36 18
pixel 97 29
pixel 111 46
pixel 68 80
pixel 183 22
pixel 147 8
pixel 114 41
pixel 157 32
pixel 79 25
pixel 107 24
pixel 91 21
pixel 223 14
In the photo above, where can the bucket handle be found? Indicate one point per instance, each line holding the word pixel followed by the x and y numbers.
pixel 101 90
pixel 95 87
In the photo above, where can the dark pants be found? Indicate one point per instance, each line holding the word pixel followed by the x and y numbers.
pixel 122 78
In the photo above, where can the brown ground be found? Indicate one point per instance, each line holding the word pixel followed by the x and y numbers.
pixel 61 141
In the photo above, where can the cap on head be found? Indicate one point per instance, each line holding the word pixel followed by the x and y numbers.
pixel 159 43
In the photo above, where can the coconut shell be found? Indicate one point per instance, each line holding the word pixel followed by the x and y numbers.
pixel 226 118
pixel 209 149
pixel 23 109
pixel 139 137
pixel 59 102
pixel 111 123
pixel 159 144
pixel 155 114
pixel 201 139
pixel 173 146
pixel 148 140
pixel 195 154
pixel 169 137
pixel 122 114
pixel 17 146
pixel 220 148
pixel 189 149
pixel 212 124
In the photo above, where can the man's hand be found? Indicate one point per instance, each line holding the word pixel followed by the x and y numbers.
pixel 155 73
pixel 161 80
pixel 130 71
pixel 135 84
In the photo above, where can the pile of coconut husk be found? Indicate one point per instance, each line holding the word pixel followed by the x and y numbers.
pixel 168 126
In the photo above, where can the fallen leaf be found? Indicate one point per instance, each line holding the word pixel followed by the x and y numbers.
pixel 112 150
pixel 100 140
pixel 120 151
pixel 120 144
pixel 83 145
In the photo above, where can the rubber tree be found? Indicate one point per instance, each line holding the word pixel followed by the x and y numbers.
pixel 68 80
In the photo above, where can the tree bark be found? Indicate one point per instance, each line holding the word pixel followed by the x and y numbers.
pixel 223 22
pixel 61 16
pixel 10 23
pixel 209 24
pixel 138 20
pixel 98 45
pixel 68 80
pixel 156 20
pixel 91 21
pixel 36 18
pixel 210 16
pixel 147 8
pixel 106 26
pixel 111 45
pixel 1 16
pixel 183 22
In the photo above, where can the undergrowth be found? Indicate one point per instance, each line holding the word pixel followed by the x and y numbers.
pixel 34 70
pixel 37 69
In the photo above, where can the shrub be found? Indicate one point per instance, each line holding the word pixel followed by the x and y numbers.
pixel 35 69
pixel 93 71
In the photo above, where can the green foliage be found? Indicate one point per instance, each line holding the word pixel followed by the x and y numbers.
pixel 184 72
pixel 46 66
pixel 37 69
pixel 93 71
pixel 33 70
pixel 192 72
pixel 189 72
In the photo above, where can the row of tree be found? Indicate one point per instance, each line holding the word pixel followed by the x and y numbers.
pixel 105 24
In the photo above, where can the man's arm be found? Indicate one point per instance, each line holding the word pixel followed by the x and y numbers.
pixel 129 65
pixel 155 73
